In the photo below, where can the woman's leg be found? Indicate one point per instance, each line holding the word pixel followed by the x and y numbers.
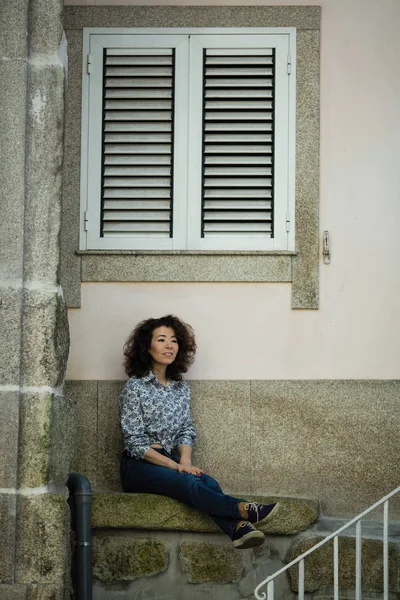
pixel 200 491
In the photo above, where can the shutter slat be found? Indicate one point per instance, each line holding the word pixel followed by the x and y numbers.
pixel 138 149
pixel 238 130
pixel 119 193
pixel 142 138
pixel 137 182
pixel 137 227
pixel 238 204
pixel 136 171
pixel 239 60
pixel 138 93
pixel 135 126
pixel 238 104
pixel 243 215
pixel 136 204
pixel 236 171
pixel 147 104
pixel 238 227
pixel 235 149
pixel 135 71
pixel 142 82
pixel 140 215
pixel 244 115
pixel 238 193
pixel 137 115
pixel 122 52
pixel 227 53
pixel 236 127
pixel 232 71
pixel 139 60
pixel 238 182
pixel 129 159
pixel 250 159
pixel 244 93
pixel 237 137
pixel 239 82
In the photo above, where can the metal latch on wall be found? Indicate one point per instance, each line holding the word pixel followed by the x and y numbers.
pixel 326 248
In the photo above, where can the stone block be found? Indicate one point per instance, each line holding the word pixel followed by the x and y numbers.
pixel 147 511
pixel 44 138
pixel 35 439
pixel 10 327
pixel 181 266
pixel 46 339
pixel 83 398
pixel 150 511
pixel 62 440
pixel 48 592
pixel 110 444
pixel 13 25
pixel 319 564
pixel 332 440
pixel 295 515
pixel 211 562
pixel 43 553
pixel 302 17
pixel 70 262
pixel 7 538
pixel 121 558
pixel 13 592
pixel 12 157
pixel 45 439
pixel 45 24
pixel 9 431
pixel 221 411
pixel 305 281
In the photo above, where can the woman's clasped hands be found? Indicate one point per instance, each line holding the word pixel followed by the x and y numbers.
pixel 186 466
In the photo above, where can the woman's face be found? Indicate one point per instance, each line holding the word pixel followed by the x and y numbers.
pixel 164 346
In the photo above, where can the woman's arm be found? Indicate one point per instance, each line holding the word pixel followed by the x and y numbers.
pixel 185 452
pixel 136 440
pixel 185 462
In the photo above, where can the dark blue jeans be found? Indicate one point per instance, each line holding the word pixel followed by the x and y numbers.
pixel 200 491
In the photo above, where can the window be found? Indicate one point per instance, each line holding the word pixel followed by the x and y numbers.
pixel 188 139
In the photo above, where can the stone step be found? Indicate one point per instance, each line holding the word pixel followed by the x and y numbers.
pixel 150 511
pixel 369 529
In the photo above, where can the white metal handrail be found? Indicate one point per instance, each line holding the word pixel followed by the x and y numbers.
pixel 269 581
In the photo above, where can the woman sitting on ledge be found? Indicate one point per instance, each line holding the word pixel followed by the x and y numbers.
pixel 158 431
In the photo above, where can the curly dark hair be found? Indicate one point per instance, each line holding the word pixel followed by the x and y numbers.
pixel 138 361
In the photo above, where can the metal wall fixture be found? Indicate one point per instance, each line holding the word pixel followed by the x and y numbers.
pixel 326 248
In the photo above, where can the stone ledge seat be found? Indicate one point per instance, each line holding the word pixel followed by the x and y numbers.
pixel 151 511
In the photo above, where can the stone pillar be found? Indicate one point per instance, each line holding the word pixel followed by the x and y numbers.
pixel 35 420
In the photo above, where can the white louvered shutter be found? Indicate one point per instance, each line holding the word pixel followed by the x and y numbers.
pixel 188 141
pixel 137 143
pixel 242 108
pixel 238 143
pixel 137 110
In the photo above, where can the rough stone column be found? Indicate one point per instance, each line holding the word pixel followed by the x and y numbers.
pixel 35 420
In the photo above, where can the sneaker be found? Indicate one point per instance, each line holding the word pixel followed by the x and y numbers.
pixel 247 537
pixel 259 514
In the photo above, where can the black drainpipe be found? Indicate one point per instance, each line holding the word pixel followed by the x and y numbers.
pixel 81 500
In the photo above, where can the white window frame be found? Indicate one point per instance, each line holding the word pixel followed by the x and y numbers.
pixel 188 111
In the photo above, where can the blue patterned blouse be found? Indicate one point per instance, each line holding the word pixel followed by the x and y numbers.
pixel 153 414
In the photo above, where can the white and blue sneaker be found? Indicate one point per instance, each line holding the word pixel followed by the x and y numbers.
pixel 260 514
pixel 247 537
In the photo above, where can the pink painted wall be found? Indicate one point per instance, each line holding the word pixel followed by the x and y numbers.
pixel 248 331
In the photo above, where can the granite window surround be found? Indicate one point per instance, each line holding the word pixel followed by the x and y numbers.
pixel 301 267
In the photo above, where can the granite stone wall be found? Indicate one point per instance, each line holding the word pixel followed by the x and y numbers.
pixel 336 441
pixel 34 415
